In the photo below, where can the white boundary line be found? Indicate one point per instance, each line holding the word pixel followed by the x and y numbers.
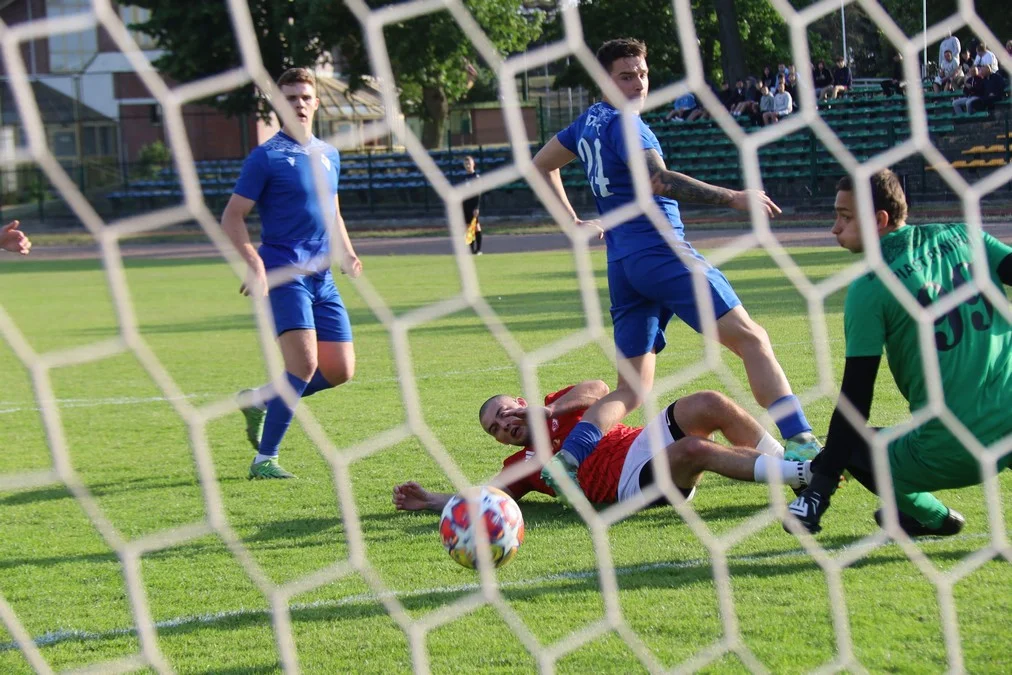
pixel 11 407
pixel 65 635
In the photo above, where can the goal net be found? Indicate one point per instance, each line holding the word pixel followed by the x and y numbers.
pixel 486 590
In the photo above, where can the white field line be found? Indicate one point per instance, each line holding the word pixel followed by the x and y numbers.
pixel 65 635
pixel 12 407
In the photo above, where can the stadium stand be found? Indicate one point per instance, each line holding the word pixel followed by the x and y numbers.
pixel 865 120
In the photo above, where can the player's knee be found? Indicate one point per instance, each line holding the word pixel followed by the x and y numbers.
pixel 338 374
pixel 687 453
pixel 698 414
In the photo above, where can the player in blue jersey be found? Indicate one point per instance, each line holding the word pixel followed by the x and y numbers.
pixel 649 271
pixel 282 178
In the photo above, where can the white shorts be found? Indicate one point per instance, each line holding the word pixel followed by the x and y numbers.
pixel 655 437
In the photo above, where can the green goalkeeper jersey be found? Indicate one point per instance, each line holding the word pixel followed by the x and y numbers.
pixel 973 341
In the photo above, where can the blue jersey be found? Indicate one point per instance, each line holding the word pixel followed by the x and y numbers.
pixel 279 176
pixel 596 137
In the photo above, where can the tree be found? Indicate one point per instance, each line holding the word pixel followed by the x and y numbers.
pixel 435 64
pixel 430 55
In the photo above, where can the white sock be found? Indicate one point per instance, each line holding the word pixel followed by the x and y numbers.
pixel 768 445
pixel 263 458
pixel 792 474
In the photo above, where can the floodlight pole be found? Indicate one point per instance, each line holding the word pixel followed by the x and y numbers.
pixel 924 9
pixel 843 31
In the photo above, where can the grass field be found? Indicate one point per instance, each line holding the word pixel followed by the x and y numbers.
pixel 133 452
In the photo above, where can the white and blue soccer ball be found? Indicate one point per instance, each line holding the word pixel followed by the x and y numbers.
pixel 503 522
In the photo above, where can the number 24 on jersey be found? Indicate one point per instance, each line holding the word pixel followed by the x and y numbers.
pixel 595 167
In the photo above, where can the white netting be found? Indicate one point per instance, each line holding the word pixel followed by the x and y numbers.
pixel 108 235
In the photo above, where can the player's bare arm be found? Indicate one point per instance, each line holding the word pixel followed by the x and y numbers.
pixel 580 397
pixel 233 222
pixel 411 496
pixel 350 264
pixel 552 157
pixel 667 183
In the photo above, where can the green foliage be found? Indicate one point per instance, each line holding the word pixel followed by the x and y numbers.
pixel 428 54
pixel 152 158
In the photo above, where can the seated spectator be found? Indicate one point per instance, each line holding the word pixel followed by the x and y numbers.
pixel 792 87
pixel 949 44
pixel 769 78
pixel 973 91
pixel 994 91
pixel 750 106
pixel 986 58
pixel 822 77
pixel 965 61
pixel 947 68
pixel 1008 47
pixel 734 96
pixel 842 79
pixel 783 105
pixel 682 107
pixel 782 72
pixel 896 84
pixel 766 106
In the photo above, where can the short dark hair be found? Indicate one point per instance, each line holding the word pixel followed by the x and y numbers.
pixel 886 194
pixel 620 48
pixel 296 75
pixel 492 400
pixel 981 47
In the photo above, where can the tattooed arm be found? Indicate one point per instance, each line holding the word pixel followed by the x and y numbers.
pixel 684 188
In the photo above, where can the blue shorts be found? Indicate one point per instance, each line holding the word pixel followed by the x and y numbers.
pixel 311 302
pixel 649 286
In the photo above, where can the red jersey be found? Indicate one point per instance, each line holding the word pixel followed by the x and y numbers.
pixel 598 475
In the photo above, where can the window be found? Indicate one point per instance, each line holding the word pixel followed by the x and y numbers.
pixel 70 52
pixel 63 143
pixel 98 141
pixel 132 15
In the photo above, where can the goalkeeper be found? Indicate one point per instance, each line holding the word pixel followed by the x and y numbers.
pixel 972 350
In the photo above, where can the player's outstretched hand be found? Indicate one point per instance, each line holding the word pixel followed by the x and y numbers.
pixel 256 282
pixel 596 224
pixel 741 200
pixel 14 240
pixel 410 496
pixel 352 266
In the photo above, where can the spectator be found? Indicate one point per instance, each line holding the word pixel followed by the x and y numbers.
pixel 986 58
pixel 1008 47
pixel 896 84
pixel 766 106
pixel 792 87
pixel 753 93
pixel 949 44
pixel 994 91
pixel 783 103
pixel 974 90
pixel 822 77
pixel 947 68
pixel 965 62
pixel 782 72
pixel 682 107
pixel 842 79
pixel 735 96
pixel 768 78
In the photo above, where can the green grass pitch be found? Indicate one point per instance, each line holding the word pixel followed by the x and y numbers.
pixel 133 453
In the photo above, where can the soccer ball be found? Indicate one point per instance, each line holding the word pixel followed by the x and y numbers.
pixel 503 522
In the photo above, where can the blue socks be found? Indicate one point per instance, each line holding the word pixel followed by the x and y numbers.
pixel 279 417
pixel 581 441
pixel 318 383
pixel 793 422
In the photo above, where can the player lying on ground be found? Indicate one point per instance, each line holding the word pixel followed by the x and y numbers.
pixel 14 240
pixel 650 275
pixel 314 333
pixel 621 467
pixel 973 344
